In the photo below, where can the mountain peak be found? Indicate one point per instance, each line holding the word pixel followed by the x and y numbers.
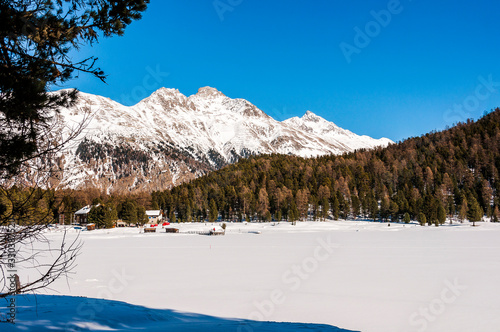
pixel 311 117
pixel 169 138
pixel 168 91
pixel 208 91
pixel 162 96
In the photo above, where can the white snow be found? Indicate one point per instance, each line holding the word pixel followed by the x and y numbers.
pixel 198 125
pixel 356 275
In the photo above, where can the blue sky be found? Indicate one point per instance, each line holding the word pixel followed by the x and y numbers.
pixel 392 69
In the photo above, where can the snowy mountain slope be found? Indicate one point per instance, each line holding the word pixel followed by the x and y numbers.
pixel 316 125
pixel 169 138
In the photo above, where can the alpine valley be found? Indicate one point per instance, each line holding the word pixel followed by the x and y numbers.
pixel 167 139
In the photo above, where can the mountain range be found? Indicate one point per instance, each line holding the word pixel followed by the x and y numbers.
pixel 168 138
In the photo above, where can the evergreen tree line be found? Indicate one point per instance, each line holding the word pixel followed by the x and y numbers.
pixel 60 206
pixel 104 215
pixel 448 174
pixel 452 173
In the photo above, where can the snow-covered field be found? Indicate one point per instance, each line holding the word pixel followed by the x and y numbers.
pixel 354 275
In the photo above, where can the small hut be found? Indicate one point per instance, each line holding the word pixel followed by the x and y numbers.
pixel 217 230
pixel 81 216
pixel 90 227
pixel 120 223
pixel 171 230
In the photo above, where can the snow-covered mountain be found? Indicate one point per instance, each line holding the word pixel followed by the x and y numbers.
pixel 169 138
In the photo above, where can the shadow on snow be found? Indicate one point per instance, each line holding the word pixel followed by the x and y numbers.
pixel 68 313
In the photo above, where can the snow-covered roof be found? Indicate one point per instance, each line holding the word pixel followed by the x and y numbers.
pixel 153 213
pixel 84 210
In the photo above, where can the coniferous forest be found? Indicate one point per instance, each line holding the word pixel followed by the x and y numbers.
pixel 449 174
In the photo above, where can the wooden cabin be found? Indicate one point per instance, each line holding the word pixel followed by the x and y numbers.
pixel 81 216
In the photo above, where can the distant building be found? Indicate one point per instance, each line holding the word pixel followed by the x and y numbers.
pixel 121 223
pixel 81 216
pixel 154 216
pixel 217 230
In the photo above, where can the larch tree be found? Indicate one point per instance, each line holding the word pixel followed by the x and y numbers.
pixel 462 211
pixel 263 204
pixel 302 202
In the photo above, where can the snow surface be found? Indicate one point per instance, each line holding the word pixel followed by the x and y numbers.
pixel 355 275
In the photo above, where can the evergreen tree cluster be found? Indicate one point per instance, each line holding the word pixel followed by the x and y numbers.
pixel 453 173
pixel 53 206
pixel 121 155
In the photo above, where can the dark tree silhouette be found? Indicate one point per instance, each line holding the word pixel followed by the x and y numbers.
pixel 36 38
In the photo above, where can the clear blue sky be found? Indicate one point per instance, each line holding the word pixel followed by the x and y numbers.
pixel 286 57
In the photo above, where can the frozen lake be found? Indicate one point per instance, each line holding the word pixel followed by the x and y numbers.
pixel 355 275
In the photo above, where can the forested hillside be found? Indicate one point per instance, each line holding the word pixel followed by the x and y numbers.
pixel 451 173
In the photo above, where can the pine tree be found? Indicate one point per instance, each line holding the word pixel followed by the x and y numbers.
pixel 37 38
pixel 141 215
pixel 278 216
pixel 373 208
pixel 406 218
pixel 422 219
pixel 335 208
pixel 111 215
pixel 393 210
pixel 213 213
pixel 97 216
pixel 293 213
pixel 384 209
pixel 475 212
pixel 496 214
pixel 128 212
pixel 189 217
pixel 268 216
pixel 172 218
pixel 325 208
pixel 355 206
pixel 441 214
